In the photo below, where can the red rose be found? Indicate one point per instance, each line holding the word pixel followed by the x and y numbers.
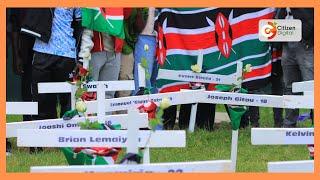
pixel 89 96
pixel 83 71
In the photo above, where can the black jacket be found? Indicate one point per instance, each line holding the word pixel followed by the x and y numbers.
pixel 306 15
pixel 38 23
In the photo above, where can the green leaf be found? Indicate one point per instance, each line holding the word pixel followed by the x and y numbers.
pixel 144 63
pixel 116 126
pixel 79 92
pixel 147 91
pixel 148 76
pixel 153 123
pixel 159 113
pixel 90 125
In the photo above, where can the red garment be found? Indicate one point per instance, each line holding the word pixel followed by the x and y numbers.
pixel 99 46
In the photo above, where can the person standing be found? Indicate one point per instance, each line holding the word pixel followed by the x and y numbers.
pixel 102 52
pixel 57 31
pixel 145 48
pixel 22 45
pixel 297 58
pixel 277 84
pixel 54 58
pixel 127 59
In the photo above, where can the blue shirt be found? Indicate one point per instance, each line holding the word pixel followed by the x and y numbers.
pixel 62 42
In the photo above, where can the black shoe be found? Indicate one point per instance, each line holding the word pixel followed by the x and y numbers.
pixel 39 149
pixel 289 126
pixel 278 125
pixel 8 148
pixel 255 125
pixel 34 150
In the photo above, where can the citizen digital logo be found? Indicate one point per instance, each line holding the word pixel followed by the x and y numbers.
pixel 280 30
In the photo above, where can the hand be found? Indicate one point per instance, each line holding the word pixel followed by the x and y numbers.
pixel 77 67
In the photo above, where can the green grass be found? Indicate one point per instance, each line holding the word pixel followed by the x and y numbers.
pixel 201 145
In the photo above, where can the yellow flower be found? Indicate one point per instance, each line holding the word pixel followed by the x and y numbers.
pixel 81 106
pixel 146 47
pixel 196 68
pixel 248 68
pixel 165 103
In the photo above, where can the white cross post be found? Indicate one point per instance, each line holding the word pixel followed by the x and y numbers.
pixel 21 108
pixel 132 132
pixel 142 83
pixel 194 107
pixel 235 133
pixel 289 136
pixel 64 87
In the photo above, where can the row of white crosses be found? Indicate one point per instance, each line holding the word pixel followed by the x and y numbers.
pixel 196 96
pixel 26 136
pixel 100 87
pixel 132 139
pixel 199 96
pixel 288 136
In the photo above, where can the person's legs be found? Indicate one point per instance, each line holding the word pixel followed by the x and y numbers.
pixel 154 76
pixel 98 60
pixel 254 116
pixel 61 73
pixel 205 116
pixel 291 74
pixel 244 122
pixel 184 116
pixel 169 117
pixel 126 73
pixel 149 55
pixel 41 72
pixel 306 66
pixel 8 148
pixel 306 63
pixel 110 70
pixel 26 52
pixel 277 89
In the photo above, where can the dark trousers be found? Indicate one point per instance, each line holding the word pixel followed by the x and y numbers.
pixel 204 118
pixel 298 65
pixel 277 89
pixel 25 49
pixel 51 68
pixel 252 116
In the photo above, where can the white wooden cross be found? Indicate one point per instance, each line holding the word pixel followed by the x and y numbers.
pixel 285 136
pixel 132 139
pixel 189 76
pixel 21 108
pixel 289 136
pixel 100 87
pixel 195 97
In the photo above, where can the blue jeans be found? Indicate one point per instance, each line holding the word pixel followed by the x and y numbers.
pixel 139 53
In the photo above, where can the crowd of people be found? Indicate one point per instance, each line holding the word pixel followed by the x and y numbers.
pixel 49 43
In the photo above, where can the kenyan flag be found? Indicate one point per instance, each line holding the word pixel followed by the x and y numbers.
pixel 224 35
pixel 108 20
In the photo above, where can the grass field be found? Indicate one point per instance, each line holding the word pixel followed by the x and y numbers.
pixel 201 145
